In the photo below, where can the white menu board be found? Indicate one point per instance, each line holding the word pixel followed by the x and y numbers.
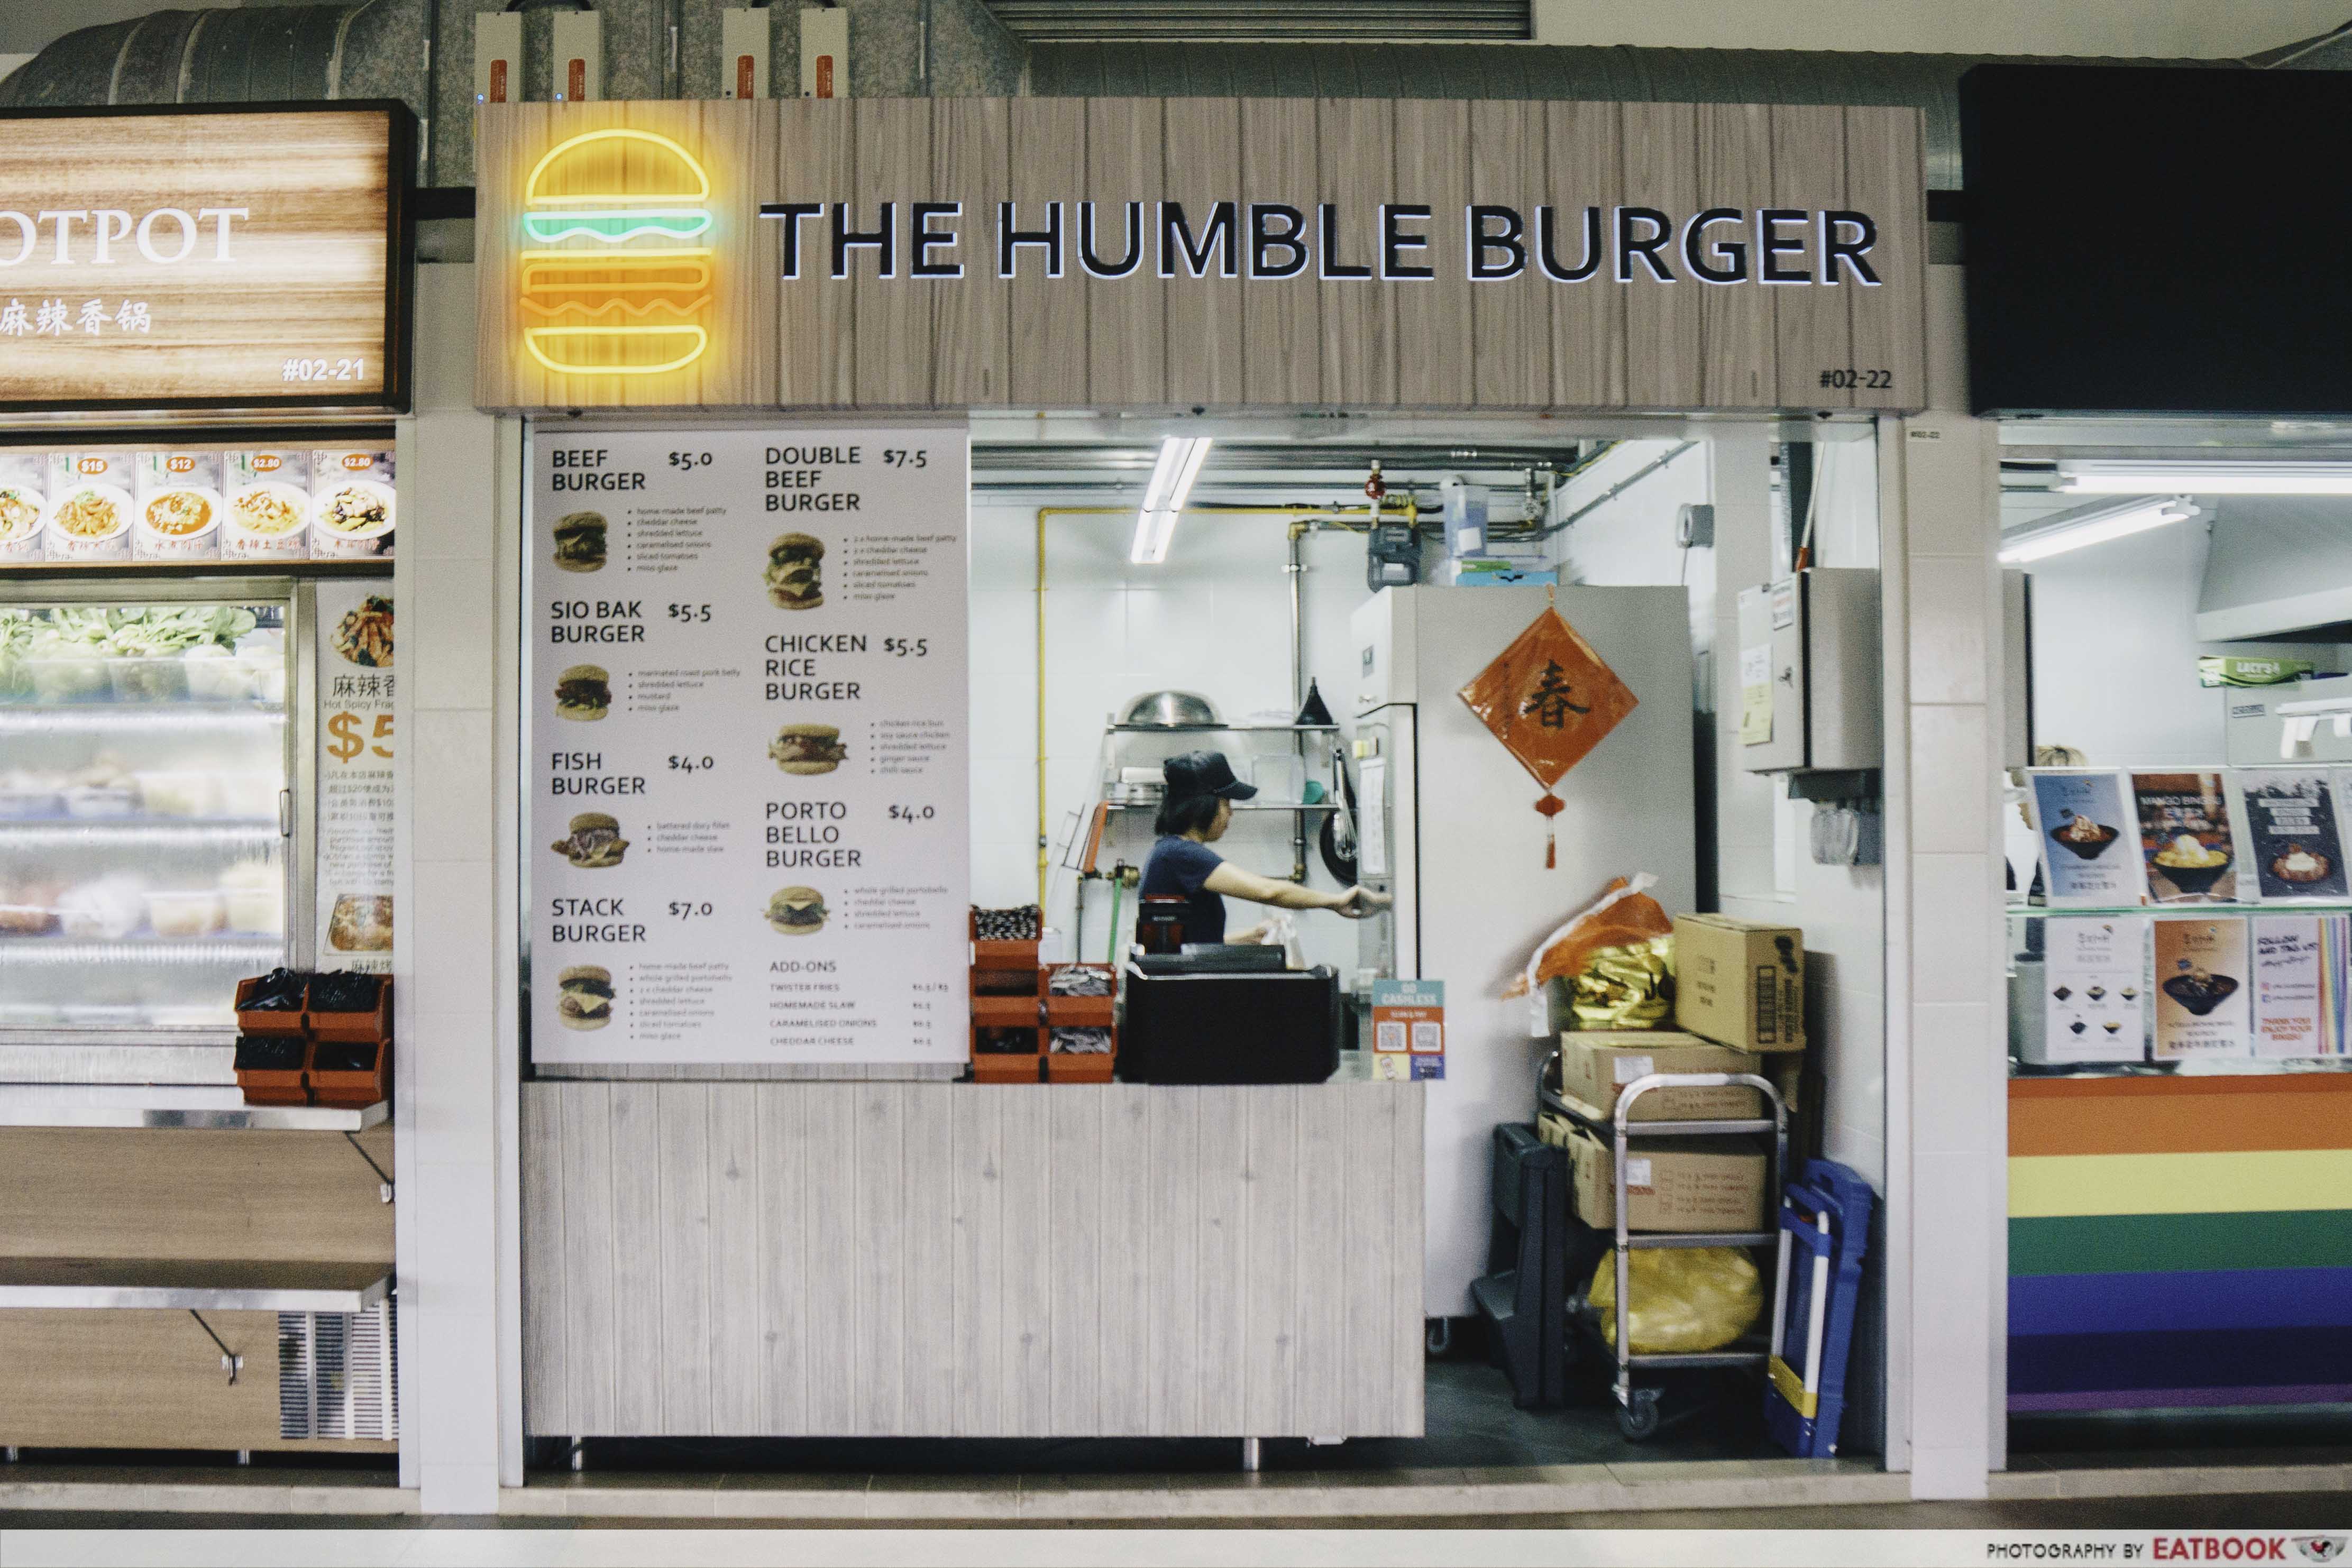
pixel 750 826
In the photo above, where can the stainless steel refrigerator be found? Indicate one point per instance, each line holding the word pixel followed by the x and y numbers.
pixel 1449 826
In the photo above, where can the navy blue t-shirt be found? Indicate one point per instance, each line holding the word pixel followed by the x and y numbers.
pixel 1178 868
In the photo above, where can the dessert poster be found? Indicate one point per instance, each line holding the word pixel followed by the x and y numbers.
pixel 2095 991
pixel 2202 973
pixel 750 819
pixel 2292 834
pixel 2184 838
pixel 2290 1002
pixel 2090 855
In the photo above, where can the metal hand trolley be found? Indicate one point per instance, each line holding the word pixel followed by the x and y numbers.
pixel 1637 1408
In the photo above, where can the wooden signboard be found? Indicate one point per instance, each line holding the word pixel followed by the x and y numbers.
pixel 237 258
pixel 1143 252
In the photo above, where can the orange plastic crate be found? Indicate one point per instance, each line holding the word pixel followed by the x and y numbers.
pixel 357 1029
pixel 1006 1066
pixel 295 1022
pixel 1080 1012
pixel 1064 1067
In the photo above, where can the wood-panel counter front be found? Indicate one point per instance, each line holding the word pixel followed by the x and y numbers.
pixel 737 1259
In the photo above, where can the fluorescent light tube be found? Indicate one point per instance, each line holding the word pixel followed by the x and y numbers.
pixel 2093 525
pixel 2189 477
pixel 1180 457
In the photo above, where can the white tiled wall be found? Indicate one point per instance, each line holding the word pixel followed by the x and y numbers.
pixel 456 1097
pixel 1213 619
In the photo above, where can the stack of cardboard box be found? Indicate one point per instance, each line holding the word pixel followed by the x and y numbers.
pixel 1740 993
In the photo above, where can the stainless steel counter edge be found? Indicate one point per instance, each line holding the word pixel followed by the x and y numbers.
pixel 220 1299
pixel 77 1105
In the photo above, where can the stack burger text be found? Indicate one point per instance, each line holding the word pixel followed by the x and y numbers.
pixel 1270 240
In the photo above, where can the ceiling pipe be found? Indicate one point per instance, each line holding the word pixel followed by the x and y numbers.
pixel 377 49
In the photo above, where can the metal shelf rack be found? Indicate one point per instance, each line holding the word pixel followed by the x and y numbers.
pixel 1637 1408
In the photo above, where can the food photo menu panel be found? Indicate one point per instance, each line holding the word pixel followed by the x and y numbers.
pixel 748 720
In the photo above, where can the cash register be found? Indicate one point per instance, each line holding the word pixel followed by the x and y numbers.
pixel 1227 1014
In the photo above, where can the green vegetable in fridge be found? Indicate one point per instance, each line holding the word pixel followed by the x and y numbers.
pixel 64 654
pixel 16 628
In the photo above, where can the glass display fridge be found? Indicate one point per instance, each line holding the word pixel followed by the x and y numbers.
pixel 154 740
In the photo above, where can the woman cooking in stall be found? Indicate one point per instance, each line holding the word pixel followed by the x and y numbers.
pixel 1195 813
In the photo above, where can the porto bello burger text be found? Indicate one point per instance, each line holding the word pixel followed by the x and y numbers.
pixel 1394 241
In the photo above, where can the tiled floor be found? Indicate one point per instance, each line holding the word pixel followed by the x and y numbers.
pixel 1470 1423
pixel 1483 1461
pixel 2296 1510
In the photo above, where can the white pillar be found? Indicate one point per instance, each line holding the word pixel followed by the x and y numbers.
pixel 1946 1094
pixel 456 1128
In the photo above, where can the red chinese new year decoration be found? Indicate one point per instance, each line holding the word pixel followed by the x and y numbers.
pixel 1549 700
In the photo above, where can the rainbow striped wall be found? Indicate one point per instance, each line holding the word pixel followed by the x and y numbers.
pixel 2179 1241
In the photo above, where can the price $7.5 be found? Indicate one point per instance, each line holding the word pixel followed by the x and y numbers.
pixel 348 734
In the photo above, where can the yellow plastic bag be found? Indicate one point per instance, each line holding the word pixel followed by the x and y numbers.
pixel 1685 1299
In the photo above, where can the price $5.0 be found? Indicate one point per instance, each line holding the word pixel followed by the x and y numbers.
pixel 348 734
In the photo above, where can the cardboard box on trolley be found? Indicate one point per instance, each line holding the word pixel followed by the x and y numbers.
pixel 1740 983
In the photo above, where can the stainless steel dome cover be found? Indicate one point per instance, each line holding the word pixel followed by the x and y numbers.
pixel 1169 710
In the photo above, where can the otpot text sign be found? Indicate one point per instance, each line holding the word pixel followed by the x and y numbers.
pixel 1051 253
pixel 193 259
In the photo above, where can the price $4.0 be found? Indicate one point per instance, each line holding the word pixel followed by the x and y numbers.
pixel 348 734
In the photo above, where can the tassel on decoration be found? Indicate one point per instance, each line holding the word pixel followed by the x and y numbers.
pixel 1551 806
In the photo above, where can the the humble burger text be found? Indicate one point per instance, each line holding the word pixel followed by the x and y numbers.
pixel 1394 241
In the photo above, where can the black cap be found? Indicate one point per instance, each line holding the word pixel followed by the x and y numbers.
pixel 1203 773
